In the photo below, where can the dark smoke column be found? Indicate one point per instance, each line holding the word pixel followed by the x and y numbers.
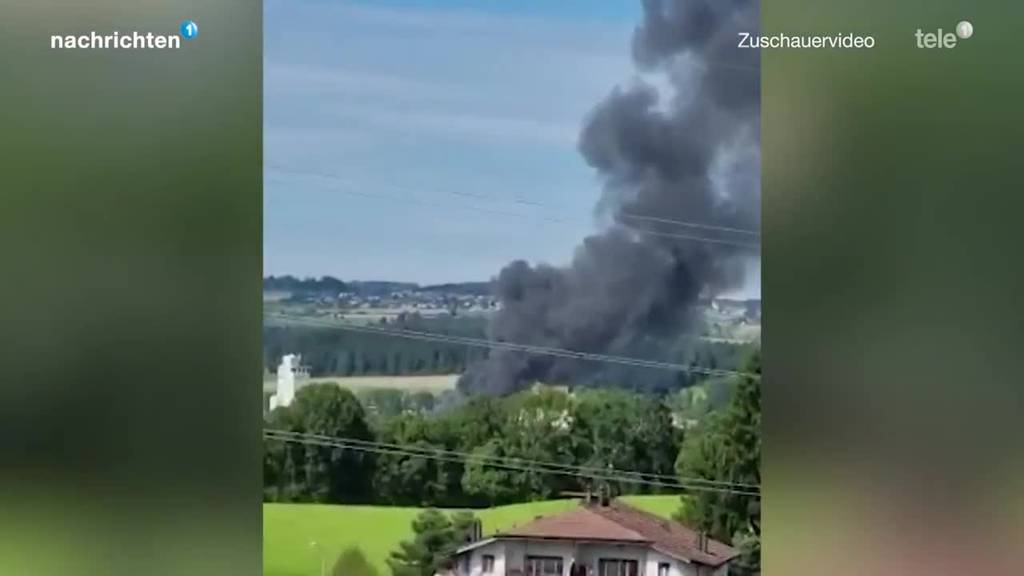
pixel 691 155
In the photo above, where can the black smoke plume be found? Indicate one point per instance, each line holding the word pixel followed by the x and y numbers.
pixel 689 154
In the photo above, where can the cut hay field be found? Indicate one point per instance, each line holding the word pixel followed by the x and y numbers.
pixel 434 383
pixel 288 529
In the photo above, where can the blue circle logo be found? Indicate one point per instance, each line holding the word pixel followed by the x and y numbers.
pixel 189 29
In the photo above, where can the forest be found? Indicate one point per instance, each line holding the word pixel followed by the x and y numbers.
pixel 607 429
pixel 332 352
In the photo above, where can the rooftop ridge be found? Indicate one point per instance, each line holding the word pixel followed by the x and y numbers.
pixel 581 520
pixel 618 521
pixel 670 535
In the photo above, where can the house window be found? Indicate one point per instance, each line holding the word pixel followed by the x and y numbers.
pixel 488 562
pixel 544 566
pixel 663 569
pixel 617 567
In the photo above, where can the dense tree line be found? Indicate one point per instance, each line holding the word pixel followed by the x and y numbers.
pixel 309 473
pixel 383 404
pixel 322 285
pixel 598 429
pixel 727 446
pixel 341 353
pixel 332 352
pixel 592 428
pixel 334 286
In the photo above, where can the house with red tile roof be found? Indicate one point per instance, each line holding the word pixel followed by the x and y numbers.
pixel 596 539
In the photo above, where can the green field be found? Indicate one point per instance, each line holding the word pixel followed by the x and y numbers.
pixel 288 529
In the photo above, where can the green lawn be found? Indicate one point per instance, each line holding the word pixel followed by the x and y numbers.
pixel 665 506
pixel 288 529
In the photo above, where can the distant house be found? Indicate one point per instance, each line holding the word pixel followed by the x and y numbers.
pixel 596 539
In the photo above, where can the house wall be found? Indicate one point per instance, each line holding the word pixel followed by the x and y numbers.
pixel 511 555
pixel 516 553
pixel 676 567
pixel 476 559
pixel 591 554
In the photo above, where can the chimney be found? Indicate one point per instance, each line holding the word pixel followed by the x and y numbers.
pixel 702 541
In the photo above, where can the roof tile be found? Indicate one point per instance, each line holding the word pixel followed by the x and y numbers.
pixel 623 523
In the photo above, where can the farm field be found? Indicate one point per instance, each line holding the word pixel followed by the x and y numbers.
pixel 288 529
pixel 433 383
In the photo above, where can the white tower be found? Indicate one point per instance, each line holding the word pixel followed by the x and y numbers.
pixel 288 372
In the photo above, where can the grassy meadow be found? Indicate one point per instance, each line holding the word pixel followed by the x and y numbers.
pixel 288 529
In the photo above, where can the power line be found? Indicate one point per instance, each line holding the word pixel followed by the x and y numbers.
pixel 690 224
pixel 481 343
pixel 751 245
pixel 321 322
pixel 530 349
pixel 439 455
pixel 517 461
pixel 516 200
pixel 542 217
pixel 344 444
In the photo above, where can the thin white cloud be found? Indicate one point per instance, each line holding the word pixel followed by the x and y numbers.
pixel 304 79
pixel 432 20
pixel 433 99
pixel 468 126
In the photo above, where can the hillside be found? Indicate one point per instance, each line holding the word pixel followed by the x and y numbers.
pixel 288 529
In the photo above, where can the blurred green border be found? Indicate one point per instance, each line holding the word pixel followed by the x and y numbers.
pixel 130 237
pixel 892 327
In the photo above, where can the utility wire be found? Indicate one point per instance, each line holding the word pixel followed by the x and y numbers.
pixel 326 323
pixel 751 245
pixel 542 217
pixel 690 224
pixel 516 461
pixel 344 444
pixel 530 349
pixel 516 200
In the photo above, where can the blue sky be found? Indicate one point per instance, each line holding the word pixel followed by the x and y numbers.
pixel 432 141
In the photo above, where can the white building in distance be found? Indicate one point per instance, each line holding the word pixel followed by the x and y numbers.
pixel 291 375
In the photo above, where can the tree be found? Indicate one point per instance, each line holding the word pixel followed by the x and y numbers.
pixel 314 472
pixel 383 403
pixel 625 431
pixel 436 537
pixel 352 562
pixel 728 447
pixel 409 479
pixel 535 426
pixel 421 401
pixel 475 422
pixel 492 484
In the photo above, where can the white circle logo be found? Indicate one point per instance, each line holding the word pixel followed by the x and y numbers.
pixel 964 30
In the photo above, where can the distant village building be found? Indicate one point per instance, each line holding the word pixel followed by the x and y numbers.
pixel 291 375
